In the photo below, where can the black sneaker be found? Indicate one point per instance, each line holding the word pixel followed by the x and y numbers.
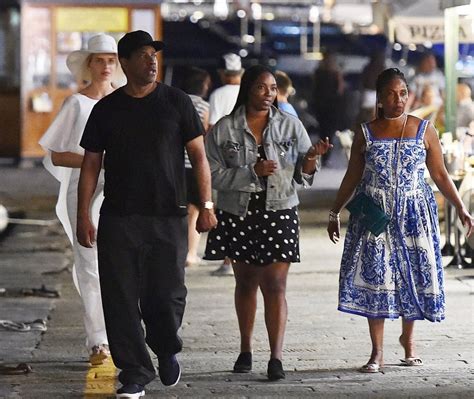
pixel 169 370
pixel 275 370
pixel 243 364
pixel 131 391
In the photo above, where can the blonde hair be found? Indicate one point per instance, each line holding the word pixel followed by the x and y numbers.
pixel 284 83
pixel 463 91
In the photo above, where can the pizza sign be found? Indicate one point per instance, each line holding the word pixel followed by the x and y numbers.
pixel 419 30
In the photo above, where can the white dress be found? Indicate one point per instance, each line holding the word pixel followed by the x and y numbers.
pixel 64 135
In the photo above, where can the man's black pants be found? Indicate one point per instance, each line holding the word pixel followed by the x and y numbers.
pixel 141 268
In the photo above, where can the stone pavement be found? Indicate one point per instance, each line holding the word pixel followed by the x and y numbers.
pixel 323 347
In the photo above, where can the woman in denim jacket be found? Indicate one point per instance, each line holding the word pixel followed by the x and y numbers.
pixel 257 154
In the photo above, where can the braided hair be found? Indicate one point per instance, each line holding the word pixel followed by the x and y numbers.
pixel 384 78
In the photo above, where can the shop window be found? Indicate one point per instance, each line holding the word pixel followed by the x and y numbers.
pixel 67 42
pixel 75 26
pixel 37 47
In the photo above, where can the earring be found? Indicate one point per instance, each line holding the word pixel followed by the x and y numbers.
pixel 379 105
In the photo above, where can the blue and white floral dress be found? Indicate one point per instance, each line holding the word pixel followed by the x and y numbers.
pixel 399 272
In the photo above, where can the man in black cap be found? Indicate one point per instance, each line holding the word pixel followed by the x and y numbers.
pixel 143 129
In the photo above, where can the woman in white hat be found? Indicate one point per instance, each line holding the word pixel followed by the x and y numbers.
pixel 98 68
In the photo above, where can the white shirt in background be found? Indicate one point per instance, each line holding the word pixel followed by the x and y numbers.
pixel 222 101
pixel 434 79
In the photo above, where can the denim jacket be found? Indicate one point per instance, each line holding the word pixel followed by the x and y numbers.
pixel 232 152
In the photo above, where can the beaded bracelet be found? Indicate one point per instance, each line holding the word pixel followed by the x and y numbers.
pixel 333 216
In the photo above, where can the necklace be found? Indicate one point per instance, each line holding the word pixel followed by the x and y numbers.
pixel 395 118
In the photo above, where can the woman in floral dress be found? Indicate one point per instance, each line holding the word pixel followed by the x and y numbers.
pixel 399 272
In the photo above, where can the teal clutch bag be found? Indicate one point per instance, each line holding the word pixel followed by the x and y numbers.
pixel 369 213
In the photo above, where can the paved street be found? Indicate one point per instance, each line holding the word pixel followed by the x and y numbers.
pixel 323 347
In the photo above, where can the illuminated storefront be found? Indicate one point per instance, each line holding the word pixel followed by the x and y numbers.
pixel 46 32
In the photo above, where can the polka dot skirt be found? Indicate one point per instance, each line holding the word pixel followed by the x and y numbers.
pixel 260 238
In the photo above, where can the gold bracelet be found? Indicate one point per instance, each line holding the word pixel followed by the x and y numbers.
pixel 311 158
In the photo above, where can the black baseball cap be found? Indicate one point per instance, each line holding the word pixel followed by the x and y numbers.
pixel 134 40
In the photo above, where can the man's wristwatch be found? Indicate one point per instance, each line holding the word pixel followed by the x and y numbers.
pixel 208 205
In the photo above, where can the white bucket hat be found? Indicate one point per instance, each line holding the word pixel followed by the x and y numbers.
pixel 99 44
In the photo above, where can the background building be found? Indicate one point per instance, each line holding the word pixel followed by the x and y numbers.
pixel 37 35
pixel 35 38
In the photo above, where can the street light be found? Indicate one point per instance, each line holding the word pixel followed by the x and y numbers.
pixel 244 26
pixel 314 19
pixel 257 17
pixel 221 9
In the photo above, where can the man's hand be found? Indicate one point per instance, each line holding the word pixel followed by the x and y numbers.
pixel 85 232
pixel 265 168
pixel 206 220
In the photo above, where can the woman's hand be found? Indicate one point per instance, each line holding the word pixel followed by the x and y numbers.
pixel 320 148
pixel 334 227
pixel 265 168
pixel 467 220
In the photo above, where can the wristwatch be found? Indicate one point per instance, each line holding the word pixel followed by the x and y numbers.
pixel 208 205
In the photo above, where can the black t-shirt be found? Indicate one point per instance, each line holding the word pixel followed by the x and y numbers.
pixel 143 140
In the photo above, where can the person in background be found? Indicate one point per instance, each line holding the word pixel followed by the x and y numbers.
pixel 428 107
pixel 285 89
pixel 222 101
pixel 196 84
pixel 428 98
pixel 465 111
pixel 98 66
pixel 427 74
pixel 328 97
pixel 398 273
pixel 368 93
pixel 257 155
pixel 143 129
